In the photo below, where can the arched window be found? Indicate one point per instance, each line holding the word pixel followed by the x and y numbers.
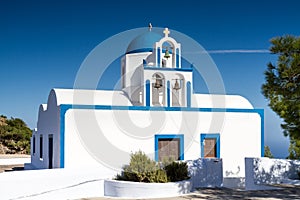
pixel 168 59
pixel 158 89
pixel 178 90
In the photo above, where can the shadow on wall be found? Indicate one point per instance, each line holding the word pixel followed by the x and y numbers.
pixel 206 172
pixel 274 171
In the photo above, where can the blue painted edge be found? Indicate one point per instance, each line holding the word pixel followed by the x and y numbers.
pixel 168 94
pixel 158 57
pixel 141 50
pixel 177 58
pixel 168 69
pixel 210 135
pixel 169 136
pixel 147 92
pixel 188 96
pixel 262 121
pixel 63 110
pixel 65 107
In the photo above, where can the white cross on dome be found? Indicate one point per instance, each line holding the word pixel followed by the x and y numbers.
pixel 166 32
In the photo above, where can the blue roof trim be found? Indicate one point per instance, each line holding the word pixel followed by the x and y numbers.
pixel 168 69
pixel 149 108
pixel 140 50
pixel 65 107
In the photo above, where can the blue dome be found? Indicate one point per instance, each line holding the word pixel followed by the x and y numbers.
pixel 143 42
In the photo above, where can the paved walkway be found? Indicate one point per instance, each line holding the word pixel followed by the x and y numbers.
pixel 287 193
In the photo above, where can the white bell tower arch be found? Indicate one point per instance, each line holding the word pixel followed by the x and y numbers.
pixel 167 52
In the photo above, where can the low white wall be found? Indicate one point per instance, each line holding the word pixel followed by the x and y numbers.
pixel 14 161
pixel 261 172
pixel 53 184
pixel 127 189
pixel 205 172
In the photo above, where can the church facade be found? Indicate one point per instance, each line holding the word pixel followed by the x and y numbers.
pixel 156 111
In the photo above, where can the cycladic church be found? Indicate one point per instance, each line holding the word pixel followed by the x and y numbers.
pixel 156 111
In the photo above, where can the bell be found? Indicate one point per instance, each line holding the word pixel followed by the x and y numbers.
pixel 167 54
pixel 157 84
pixel 176 85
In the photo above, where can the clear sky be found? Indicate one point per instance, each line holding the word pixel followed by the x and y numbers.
pixel 43 43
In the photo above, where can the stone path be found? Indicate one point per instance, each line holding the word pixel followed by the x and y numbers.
pixel 286 193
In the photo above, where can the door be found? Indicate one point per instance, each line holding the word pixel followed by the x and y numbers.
pixel 50 151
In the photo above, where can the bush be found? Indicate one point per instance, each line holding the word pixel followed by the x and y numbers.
pixel 177 171
pixel 142 169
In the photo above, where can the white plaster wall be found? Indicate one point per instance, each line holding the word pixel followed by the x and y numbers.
pixel 205 172
pixel 240 138
pixel 48 124
pixel 121 132
pixel 13 161
pixel 49 119
pixel 57 184
pixel 220 101
pixel 261 172
pixel 88 97
pixel 133 61
pixel 127 189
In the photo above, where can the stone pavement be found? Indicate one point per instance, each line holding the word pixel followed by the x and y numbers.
pixel 286 193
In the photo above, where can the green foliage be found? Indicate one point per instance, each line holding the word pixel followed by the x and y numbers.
pixel 268 152
pixel 177 171
pixel 142 169
pixel 282 87
pixel 14 135
pixel 294 149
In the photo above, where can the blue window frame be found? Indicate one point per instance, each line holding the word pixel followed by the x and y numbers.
pixel 210 136
pixel 170 137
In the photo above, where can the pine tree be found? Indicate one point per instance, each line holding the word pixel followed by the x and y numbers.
pixel 282 87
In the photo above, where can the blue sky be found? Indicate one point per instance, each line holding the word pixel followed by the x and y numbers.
pixel 43 43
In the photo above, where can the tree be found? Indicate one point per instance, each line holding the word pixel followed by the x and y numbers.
pixel 14 135
pixel 282 87
pixel 268 152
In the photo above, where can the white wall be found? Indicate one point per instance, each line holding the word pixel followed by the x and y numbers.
pixel 133 61
pixel 112 135
pixel 58 184
pixel 48 124
pixel 205 172
pixel 261 172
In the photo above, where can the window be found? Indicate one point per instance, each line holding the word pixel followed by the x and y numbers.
pixel 158 90
pixel 41 147
pixel 210 145
pixel 169 146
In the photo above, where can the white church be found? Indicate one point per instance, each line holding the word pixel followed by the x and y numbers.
pixel 156 111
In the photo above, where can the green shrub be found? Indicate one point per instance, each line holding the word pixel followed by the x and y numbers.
pixel 177 171
pixel 142 169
